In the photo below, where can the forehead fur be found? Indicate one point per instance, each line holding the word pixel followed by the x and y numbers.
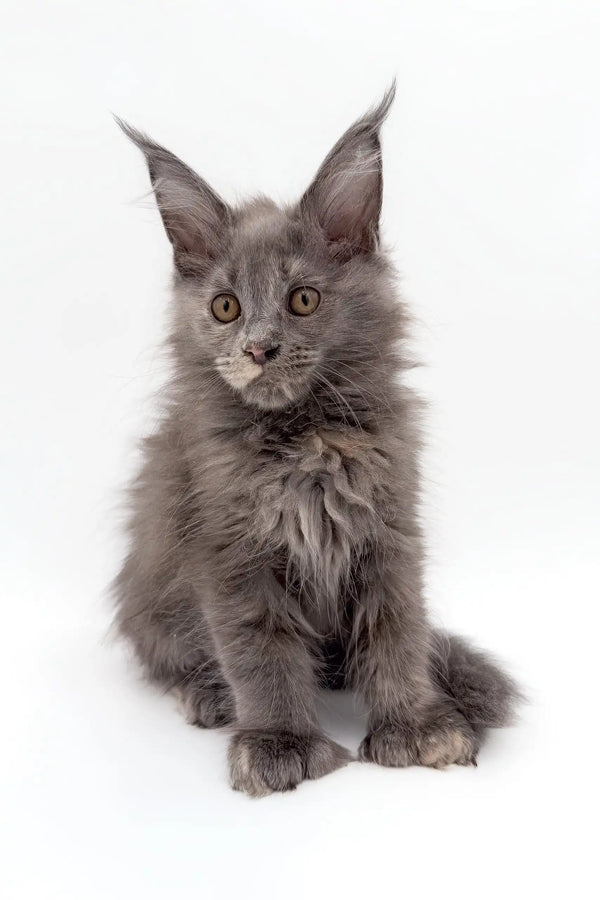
pixel 263 224
pixel 271 243
pixel 259 213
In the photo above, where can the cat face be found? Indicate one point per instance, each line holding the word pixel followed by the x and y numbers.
pixel 263 312
pixel 275 314
pixel 272 301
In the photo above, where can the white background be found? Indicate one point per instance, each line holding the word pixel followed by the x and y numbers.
pixel 492 212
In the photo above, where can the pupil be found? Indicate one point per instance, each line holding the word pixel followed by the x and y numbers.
pixel 305 299
pixel 226 306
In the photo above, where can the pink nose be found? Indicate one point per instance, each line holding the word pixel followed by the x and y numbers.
pixel 260 355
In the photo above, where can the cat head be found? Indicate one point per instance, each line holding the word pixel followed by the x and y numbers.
pixel 278 300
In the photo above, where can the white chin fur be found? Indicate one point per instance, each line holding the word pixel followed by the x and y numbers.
pixel 245 377
pixel 240 374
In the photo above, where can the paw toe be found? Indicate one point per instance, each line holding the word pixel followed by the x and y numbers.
pixel 386 746
pixel 446 741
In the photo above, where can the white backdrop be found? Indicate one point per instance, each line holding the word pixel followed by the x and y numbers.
pixel 492 211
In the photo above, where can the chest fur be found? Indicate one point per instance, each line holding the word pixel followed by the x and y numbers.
pixel 325 497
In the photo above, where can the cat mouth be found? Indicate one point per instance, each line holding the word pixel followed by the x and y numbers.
pixel 269 386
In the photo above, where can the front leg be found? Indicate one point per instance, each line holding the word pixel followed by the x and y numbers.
pixel 411 721
pixel 267 661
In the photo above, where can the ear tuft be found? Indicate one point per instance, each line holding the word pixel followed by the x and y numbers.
pixel 346 194
pixel 194 216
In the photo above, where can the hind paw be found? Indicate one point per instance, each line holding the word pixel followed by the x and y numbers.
pixel 207 707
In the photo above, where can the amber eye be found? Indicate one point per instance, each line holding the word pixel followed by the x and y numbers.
pixel 304 301
pixel 225 307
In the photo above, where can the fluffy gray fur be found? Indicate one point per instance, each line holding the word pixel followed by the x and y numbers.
pixel 275 536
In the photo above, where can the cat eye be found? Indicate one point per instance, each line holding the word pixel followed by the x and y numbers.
pixel 303 301
pixel 225 308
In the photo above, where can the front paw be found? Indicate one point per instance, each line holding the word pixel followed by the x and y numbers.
pixel 440 742
pixel 261 762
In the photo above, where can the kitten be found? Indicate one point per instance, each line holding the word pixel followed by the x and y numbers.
pixel 275 537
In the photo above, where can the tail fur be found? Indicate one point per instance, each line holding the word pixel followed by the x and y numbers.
pixel 482 691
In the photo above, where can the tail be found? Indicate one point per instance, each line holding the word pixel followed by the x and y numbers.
pixel 485 695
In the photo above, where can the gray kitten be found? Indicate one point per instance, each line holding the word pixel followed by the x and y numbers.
pixel 275 536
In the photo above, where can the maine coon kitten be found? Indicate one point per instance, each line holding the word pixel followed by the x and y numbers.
pixel 275 539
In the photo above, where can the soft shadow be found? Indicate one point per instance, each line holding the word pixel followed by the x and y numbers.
pixel 343 716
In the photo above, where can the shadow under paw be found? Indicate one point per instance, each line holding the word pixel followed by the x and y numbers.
pixel 261 762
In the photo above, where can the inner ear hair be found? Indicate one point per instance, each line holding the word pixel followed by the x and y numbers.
pixel 345 196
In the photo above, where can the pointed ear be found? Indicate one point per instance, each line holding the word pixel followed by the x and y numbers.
pixel 194 216
pixel 345 196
